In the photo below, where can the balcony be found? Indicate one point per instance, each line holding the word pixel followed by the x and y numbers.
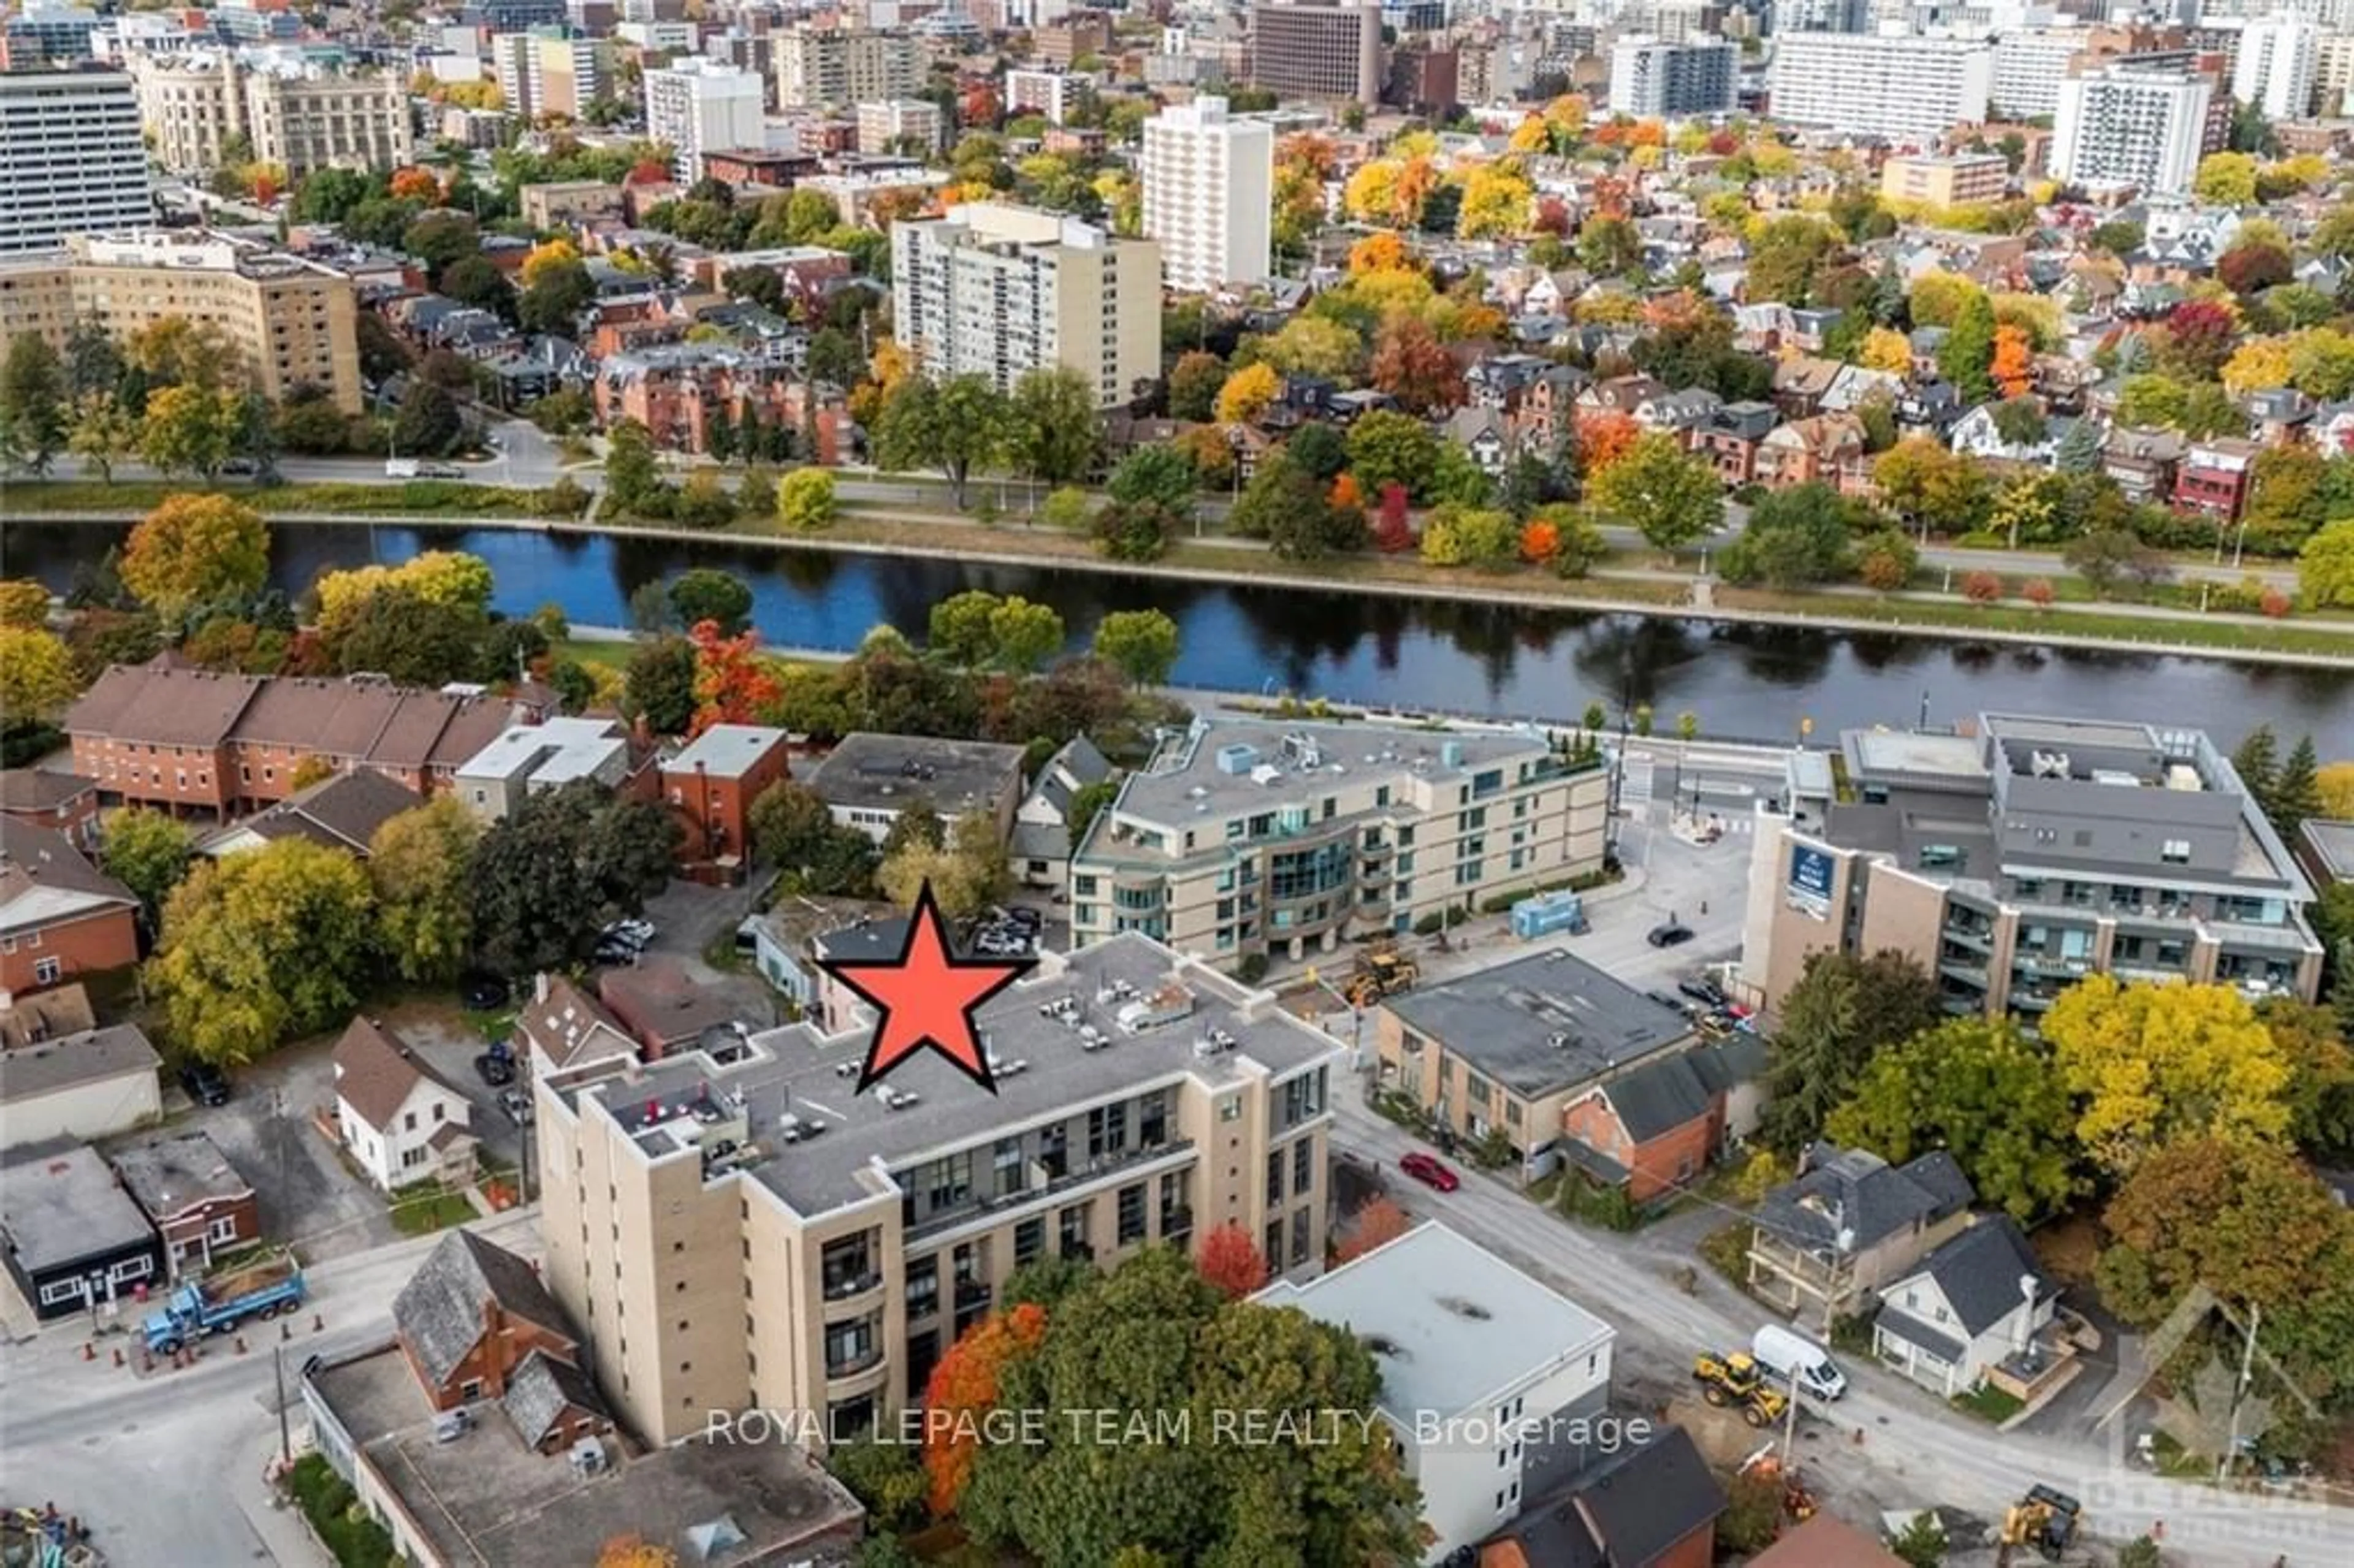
pixel 858 1362
pixel 841 1288
pixel 1175 1222
pixel 1078 1252
pixel 1096 1169
pixel 974 1293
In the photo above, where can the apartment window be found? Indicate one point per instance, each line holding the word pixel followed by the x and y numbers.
pixel 1299 1227
pixel 1009 1171
pixel 1303 1165
pixel 1132 1215
pixel 1273 1248
pixel 1231 1108
pixel 1106 1131
pixel 1071 1227
pixel 1275 1176
pixel 1029 1242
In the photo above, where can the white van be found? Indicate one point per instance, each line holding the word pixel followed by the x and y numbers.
pixel 1781 1352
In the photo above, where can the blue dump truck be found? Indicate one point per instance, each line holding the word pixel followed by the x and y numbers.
pixel 218 1306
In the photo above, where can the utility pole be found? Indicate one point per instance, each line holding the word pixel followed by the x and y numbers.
pixel 1790 1426
pixel 278 1372
pixel 2239 1394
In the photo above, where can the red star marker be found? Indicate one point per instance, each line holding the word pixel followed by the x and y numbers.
pixel 926 998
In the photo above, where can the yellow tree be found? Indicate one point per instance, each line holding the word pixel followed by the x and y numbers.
pixel 2227 179
pixel 1371 195
pixel 2155 1063
pixel 1496 203
pixel 548 258
pixel 2258 365
pixel 1247 393
pixel 24 602
pixel 37 674
pixel 1379 252
pixel 1533 135
pixel 1886 348
pixel 2336 783
pixel 1312 345
pixel 196 549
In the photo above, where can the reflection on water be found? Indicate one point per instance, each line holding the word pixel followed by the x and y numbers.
pixel 1464 655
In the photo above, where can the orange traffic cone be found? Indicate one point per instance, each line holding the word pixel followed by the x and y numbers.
pixel 241 1344
pixel 89 1350
pixel 118 1355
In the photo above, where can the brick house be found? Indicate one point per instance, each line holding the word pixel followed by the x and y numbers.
pixel 2215 476
pixel 1655 1506
pixel 2143 462
pixel 61 919
pixel 64 803
pixel 477 1322
pixel 710 787
pixel 198 1203
pixel 1653 1130
pixel 662 1006
pixel 678 390
pixel 1827 448
pixel 1729 439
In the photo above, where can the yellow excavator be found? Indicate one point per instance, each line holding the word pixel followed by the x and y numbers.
pixel 1738 1380
pixel 1381 971
pixel 2043 1519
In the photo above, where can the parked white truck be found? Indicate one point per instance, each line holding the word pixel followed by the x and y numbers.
pixel 1785 1354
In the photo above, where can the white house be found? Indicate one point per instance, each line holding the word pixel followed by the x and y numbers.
pixel 1974 435
pixel 1975 1302
pixel 531 757
pixel 1041 845
pixel 403 1121
pixel 1490 1379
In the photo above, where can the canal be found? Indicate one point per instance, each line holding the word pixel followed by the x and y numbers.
pixel 1743 682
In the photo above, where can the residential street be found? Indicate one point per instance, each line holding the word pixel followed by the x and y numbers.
pixel 166 1468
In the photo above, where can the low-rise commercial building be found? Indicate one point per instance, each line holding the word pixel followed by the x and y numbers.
pixel 75 1086
pixel 710 787
pixel 1488 1377
pixel 867 779
pixel 530 759
pixel 750 1232
pixel 198 1201
pixel 2013 860
pixel 1245 838
pixel 70 1236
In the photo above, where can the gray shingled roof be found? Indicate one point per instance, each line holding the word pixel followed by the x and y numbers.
pixel 1660 1096
pixel 440 1311
pixel 1862 1194
pixel 538 1391
pixel 1901 1325
pixel 1979 1271
pixel 1628 1509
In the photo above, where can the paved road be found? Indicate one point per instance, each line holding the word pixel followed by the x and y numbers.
pixel 165 1469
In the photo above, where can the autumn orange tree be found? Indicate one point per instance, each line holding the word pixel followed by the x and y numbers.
pixel 2014 367
pixel 1602 439
pixel 1412 365
pixel 415 185
pixel 733 684
pixel 1378 1224
pixel 1379 252
pixel 963 1388
pixel 1231 1261
pixel 1540 541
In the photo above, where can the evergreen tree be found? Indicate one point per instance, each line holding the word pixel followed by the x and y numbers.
pixel 1968 349
pixel 719 434
pixel 2258 763
pixel 1887 304
pixel 751 439
pixel 2296 793
pixel 2079 450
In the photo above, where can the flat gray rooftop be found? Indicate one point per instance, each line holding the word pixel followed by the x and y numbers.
pixel 2042 730
pixel 61 1202
pixel 1186 777
pixel 2333 846
pixel 168 1174
pixel 886 772
pixel 489 1501
pixel 1451 1324
pixel 72 1059
pixel 1542 1022
pixel 795 1072
pixel 726 750
pixel 1902 751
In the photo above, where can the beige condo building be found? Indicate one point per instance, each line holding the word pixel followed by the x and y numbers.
pixel 1242 837
pixel 741 1229
pixel 834 67
pixel 197 105
pixel 293 322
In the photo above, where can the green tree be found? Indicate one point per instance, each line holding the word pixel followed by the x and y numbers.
pixel 1141 644
pixel 1054 432
pixel 191 430
pixel 1320 450
pixel 632 472
pixel 1670 496
pixel 1797 536
pixel 441 240
pixel 705 593
pixel 1137 532
pixel 2325 566
pixel 427 423
pixel 2153 1064
pixel 550 874
pixel 261 947
pixel 2296 795
pixel 196 549
pixel 33 405
pixel 1194 385
pixel 1968 349
pixel 793 830
pixel 658 685
pixel 421 864
pixel 2257 762
pixel 1843 1011
pixel 1389 448
pixel 1088 802
pixel 1023 634
pixel 805 499
pixel 967 874
pixel 1920 1543
pixel 917 826
pixel 1159 476
pixel 102 435
pixel 955 426
pixel 554 299
pixel 958 629
pixel 415 641
pixel 36 674
pixel 1983 1092
pixel 148 852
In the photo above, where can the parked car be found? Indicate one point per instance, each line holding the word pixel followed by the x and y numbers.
pixel 204 1082
pixel 1701 990
pixel 484 991
pixel 516 1105
pixel 496 1065
pixel 1427 1170
pixel 1669 933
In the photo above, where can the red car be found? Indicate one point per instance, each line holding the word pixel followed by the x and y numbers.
pixel 1430 1172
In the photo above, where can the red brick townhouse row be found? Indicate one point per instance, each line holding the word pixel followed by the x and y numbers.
pixel 201 740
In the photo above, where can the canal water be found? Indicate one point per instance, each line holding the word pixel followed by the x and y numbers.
pixel 1743 682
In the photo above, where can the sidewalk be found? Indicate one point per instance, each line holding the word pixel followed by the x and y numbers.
pixel 284 1535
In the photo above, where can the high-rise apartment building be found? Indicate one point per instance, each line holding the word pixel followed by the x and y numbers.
pixel 1209 185
pixel 71 160
pixel 293 322
pixel 2126 125
pixel 1652 78
pixel 1819 17
pixel 47 35
pixel 1242 838
pixel 751 1232
pixel 294 115
pixel 2333 74
pixel 2014 860
pixel 1303 49
pixel 903 125
pixel 2029 64
pixel 697 106
pixel 2275 68
pixel 989 289
pixel 1910 90
pixel 833 68
pixel 546 73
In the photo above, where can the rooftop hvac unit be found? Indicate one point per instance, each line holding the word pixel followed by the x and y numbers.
pixel 1237 759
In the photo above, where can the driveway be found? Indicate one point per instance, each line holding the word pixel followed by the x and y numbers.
pixel 441 1033
pixel 308 1196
